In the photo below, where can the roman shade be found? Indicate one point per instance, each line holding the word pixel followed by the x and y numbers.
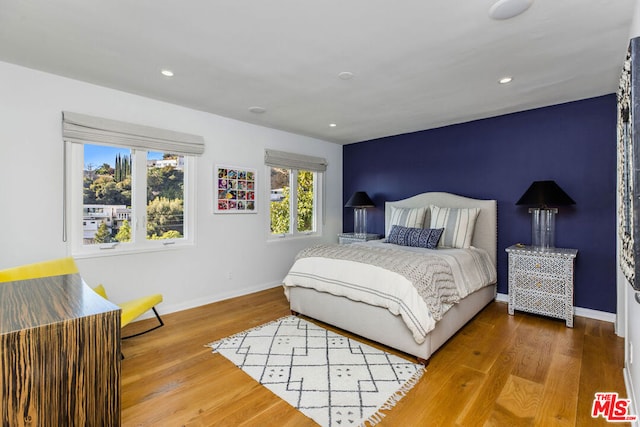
pixel 81 128
pixel 283 159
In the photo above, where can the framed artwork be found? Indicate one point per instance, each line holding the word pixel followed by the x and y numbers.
pixel 628 166
pixel 234 190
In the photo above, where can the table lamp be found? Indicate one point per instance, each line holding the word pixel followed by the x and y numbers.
pixel 359 201
pixel 543 197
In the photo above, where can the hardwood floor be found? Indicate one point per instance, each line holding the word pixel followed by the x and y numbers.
pixel 499 370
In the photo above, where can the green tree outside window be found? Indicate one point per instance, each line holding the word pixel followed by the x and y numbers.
pixel 102 235
pixel 280 215
pixel 124 233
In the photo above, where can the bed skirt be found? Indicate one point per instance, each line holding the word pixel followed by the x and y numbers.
pixel 380 325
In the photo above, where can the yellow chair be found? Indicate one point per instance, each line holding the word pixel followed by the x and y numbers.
pixel 131 310
pixel 55 267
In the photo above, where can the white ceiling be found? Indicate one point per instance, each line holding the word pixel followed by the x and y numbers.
pixel 416 64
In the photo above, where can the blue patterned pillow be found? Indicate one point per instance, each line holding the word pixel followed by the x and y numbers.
pixel 416 237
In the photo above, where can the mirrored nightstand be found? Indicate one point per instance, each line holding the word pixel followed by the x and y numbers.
pixel 347 238
pixel 541 281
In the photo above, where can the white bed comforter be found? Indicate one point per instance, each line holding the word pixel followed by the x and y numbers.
pixel 468 270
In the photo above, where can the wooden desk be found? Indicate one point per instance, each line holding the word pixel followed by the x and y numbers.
pixel 59 354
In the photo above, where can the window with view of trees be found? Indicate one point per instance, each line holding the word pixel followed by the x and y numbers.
pixel 129 187
pixel 165 196
pixel 106 194
pixel 293 207
pixel 121 186
pixel 295 187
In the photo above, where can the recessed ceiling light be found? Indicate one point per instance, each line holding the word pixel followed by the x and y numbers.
pixel 257 110
pixel 505 80
pixel 332 125
pixel 345 75
pixel 167 73
pixel 505 9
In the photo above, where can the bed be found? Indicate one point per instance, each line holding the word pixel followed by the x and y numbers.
pixel 388 324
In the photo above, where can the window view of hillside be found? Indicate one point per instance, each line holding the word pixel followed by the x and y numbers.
pixel 107 195
pixel 280 200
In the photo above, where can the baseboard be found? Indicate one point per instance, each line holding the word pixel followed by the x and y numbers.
pixel 595 314
pixel 502 297
pixel 165 308
pixel 579 311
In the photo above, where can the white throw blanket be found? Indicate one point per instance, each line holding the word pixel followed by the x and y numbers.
pixel 418 284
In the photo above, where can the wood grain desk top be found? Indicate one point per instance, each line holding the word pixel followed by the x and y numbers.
pixel 27 304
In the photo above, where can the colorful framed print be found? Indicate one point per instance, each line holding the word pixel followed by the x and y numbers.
pixel 234 190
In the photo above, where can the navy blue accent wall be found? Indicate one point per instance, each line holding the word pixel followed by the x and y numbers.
pixel 498 158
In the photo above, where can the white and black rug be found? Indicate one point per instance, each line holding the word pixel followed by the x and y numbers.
pixel 332 379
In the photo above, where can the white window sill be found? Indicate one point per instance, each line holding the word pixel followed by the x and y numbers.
pixel 273 238
pixel 119 249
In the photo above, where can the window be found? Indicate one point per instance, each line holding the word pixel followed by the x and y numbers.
pixel 165 196
pixel 293 209
pixel 294 192
pixel 107 205
pixel 127 198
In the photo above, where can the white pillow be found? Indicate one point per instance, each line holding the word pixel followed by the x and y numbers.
pixel 458 224
pixel 407 217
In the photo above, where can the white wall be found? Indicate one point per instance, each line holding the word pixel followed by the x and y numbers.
pixel 31 184
pixel 629 309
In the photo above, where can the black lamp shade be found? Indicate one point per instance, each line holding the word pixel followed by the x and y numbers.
pixel 544 194
pixel 360 199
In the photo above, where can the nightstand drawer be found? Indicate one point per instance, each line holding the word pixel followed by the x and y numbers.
pixel 541 283
pixel 539 303
pixel 549 266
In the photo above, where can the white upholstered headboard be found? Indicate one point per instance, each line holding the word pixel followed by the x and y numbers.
pixel 485 235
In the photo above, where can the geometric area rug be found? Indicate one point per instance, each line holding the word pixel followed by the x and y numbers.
pixel 332 379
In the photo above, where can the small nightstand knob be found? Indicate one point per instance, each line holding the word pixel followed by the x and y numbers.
pixel 538 284
pixel 538 265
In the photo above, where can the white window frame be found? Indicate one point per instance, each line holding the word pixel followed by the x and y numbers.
pixel 318 178
pixel 80 129
pixel 139 241
pixel 295 162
